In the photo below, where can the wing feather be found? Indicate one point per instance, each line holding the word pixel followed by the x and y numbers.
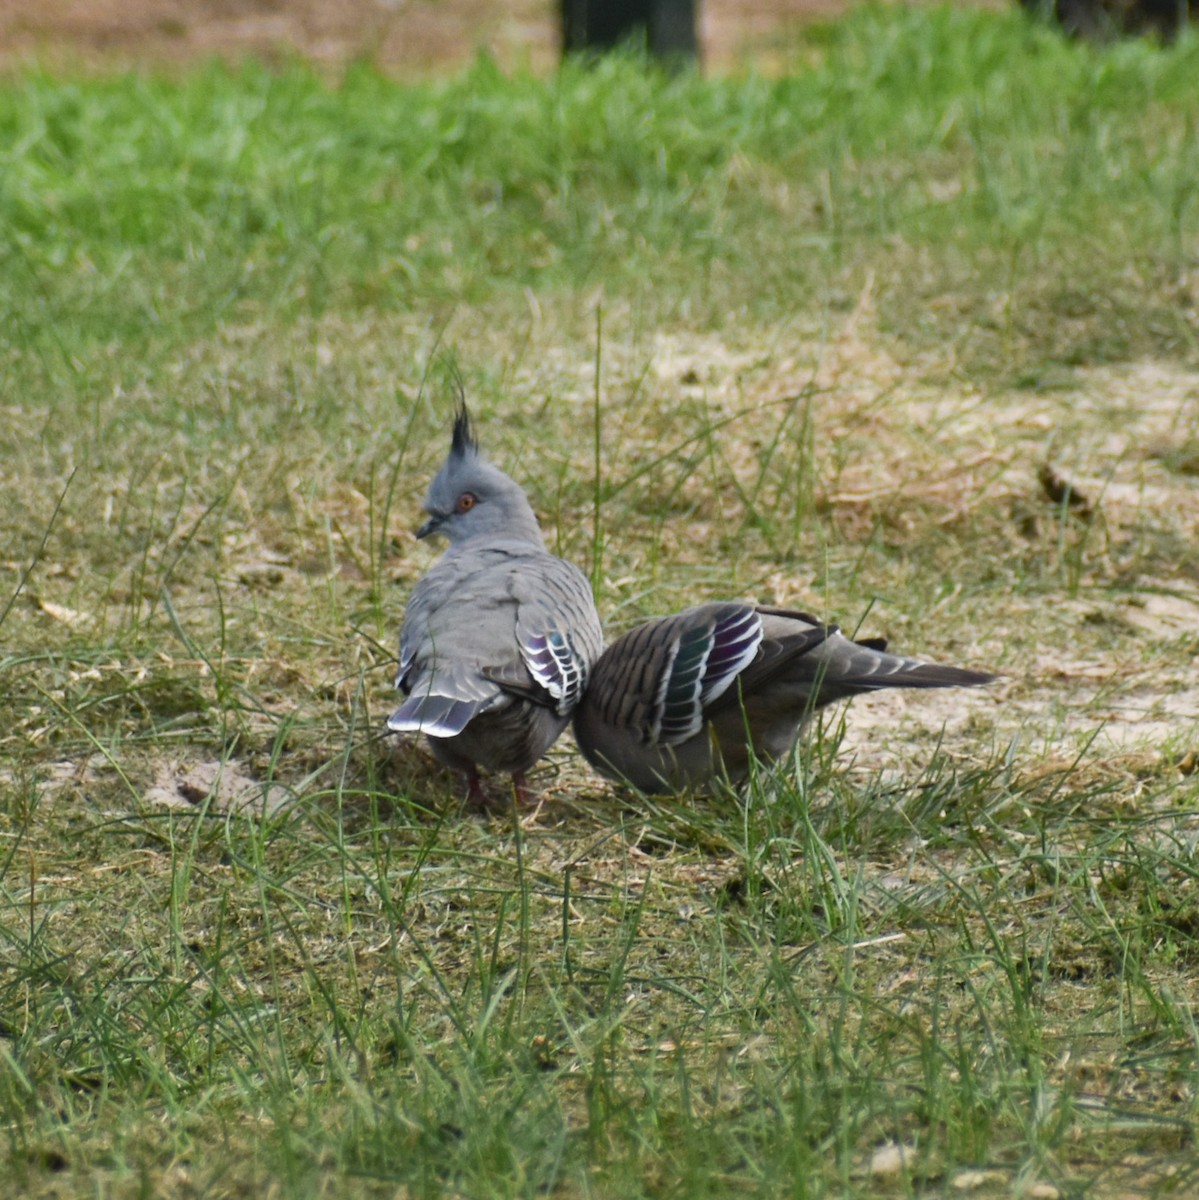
pixel 710 647
pixel 488 625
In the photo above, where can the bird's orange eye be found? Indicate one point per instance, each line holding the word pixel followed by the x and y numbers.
pixel 466 502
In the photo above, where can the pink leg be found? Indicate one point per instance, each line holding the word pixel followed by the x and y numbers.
pixel 521 788
pixel 476 797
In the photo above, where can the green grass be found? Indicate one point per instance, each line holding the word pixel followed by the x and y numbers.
pixel 841 321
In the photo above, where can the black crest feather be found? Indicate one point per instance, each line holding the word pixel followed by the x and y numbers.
pixel 464 441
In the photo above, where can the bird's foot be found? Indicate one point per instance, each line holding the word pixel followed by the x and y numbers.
pixel 525 800
pixel 478 800
pixel 476 797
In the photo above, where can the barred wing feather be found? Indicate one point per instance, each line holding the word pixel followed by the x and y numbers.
pixel 704 658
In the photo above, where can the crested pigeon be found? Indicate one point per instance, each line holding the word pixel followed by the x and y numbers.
pixel 681 702
pixel 500 635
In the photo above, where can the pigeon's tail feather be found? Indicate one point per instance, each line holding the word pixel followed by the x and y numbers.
pixel 845 668
pixel 433 715
pixel 932 675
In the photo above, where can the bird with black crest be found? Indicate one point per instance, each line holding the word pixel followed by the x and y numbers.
pixel 500 635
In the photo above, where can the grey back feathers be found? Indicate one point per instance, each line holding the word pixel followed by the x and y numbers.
pixel 683 701
pixel 499 637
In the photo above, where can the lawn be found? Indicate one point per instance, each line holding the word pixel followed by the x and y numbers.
pixel 907 335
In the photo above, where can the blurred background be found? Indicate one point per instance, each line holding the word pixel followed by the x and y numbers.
pixel 405 36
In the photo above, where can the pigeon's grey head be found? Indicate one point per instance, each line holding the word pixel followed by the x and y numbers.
pixel 470 498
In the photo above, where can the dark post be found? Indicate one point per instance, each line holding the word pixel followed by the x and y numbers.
pixel 667 27
pixel 1100 20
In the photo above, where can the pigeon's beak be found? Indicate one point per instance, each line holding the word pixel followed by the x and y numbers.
pixel 430 526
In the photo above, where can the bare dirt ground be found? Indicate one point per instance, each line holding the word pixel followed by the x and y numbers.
pixel 405 36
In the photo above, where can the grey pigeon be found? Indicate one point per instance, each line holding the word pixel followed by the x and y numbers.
pixel 500 636
pixel 683 701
